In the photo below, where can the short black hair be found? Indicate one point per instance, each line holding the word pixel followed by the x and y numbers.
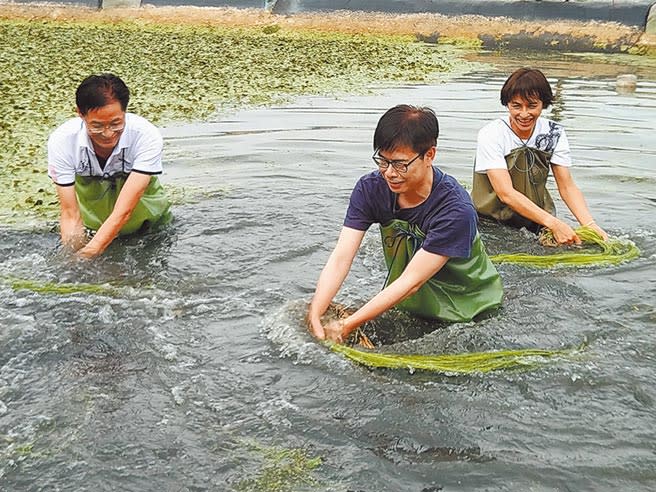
pixel 407 126
pixel 528 83
pixel 100 90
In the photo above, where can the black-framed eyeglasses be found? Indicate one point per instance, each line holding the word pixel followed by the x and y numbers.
pixel 400 166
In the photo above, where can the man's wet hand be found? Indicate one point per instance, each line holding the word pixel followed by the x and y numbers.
pixel 334 331
pixel 563 233
pixel 598 230
pixel 316 329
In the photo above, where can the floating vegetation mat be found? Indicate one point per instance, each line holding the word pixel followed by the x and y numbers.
pixel 175 73
pixel 284 470
pixel 594 251
pixel 466 363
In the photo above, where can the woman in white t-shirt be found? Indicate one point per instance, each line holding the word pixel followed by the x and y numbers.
pixel 513 158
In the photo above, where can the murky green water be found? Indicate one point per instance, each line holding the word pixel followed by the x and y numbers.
pixel 195 362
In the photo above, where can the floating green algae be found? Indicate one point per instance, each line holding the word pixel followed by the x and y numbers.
pixel 175 73
pixel 63 288
pixel 284 470
pixel 186 194
pixel 14 453
pixel 610 252
pixel 465 363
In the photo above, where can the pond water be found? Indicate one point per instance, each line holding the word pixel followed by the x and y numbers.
pixel 197 364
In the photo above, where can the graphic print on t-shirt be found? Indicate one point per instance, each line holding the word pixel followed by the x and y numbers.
pixel 548 141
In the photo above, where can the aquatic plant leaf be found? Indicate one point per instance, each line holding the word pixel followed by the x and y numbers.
pixel 610 252
pixel 465 363
pixel 283 470
pixel 62 288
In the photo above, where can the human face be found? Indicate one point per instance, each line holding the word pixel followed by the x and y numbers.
pixel 524 113
pixel 400 166
pixel 415 173
pixel 105 126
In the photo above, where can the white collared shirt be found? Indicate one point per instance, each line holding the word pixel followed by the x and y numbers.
pixel 70 151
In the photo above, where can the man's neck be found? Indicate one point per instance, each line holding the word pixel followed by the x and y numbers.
pixel 418 195
pixel 102 152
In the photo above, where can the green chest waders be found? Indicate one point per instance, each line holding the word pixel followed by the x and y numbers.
pixel 529 169
pixel 97 196
pixel 463 288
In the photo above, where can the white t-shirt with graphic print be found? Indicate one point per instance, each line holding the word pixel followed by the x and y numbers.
pixel 496 140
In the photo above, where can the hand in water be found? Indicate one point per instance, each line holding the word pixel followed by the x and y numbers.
pixel 563 233
pixel 316 329
pixel 64 252
pixel 333 330
pixel 599 230
pixel 86 253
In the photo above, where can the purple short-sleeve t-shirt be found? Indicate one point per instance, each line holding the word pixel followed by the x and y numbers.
pixel 447 217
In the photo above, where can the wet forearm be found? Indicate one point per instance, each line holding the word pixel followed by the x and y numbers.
pixel 573 198
pixel 523 206
pixel 106 233
pixel 422 267
pixel 128 200
pixel 330 280
pixel 384 300
pixel 72 231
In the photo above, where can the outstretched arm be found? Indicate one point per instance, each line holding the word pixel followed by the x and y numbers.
pixel 70 221
pixel 573 198
pixel 502 184
pixel 421 268
pixel 128 198
pixel 332 276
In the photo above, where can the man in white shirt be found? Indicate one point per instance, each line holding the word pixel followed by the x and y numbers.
pixel 104 164
pixel 514 155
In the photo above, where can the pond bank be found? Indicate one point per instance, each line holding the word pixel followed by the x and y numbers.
pixel 627 12
pixel 474 30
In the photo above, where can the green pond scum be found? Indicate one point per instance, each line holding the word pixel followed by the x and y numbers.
pixel 189 194
pixel 282 470
pixel 594 252
pixel 14 454
pixel 176 73
pixel 464 363
pixel 58 288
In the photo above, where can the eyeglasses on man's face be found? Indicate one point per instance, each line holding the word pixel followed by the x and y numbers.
pixel 399 165
pixel 98 128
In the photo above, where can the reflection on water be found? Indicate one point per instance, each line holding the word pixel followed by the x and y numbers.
pixel 203 353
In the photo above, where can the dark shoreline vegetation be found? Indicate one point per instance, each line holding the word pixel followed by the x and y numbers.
pixel 175 73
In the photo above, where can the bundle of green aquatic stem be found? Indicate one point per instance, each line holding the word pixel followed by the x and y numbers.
pixel 466 363
pixel 612 252
pixel 61 288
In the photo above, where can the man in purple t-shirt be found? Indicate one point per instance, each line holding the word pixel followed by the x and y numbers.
pixel 437 265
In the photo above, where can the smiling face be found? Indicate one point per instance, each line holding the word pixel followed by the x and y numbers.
pixel 524 114
pixel 417 176
pixel 105 126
